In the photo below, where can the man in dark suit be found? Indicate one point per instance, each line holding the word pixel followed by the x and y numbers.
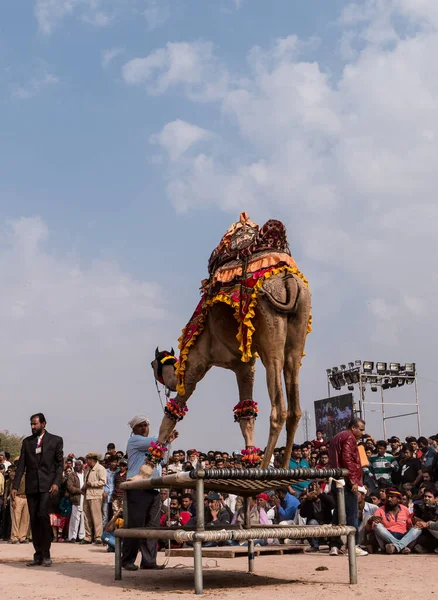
pixel 42 459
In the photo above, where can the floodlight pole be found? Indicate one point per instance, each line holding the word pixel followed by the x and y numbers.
pixel 418 407
pixel 383 413
pixel 362 396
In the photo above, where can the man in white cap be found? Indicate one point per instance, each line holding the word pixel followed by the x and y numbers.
pixel 143 505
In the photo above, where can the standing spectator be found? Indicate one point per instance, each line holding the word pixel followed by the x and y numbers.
pixel 382 463
pixel 42 458
pixel 111 449
pixel 95 479
pixel 320 441
pixel 143 505
pixel 297 462
pixel 75 483
pixel 112 468
pixel 119 478
pixel 411 468
pixel 393 525
pixel 344 454
pixel 4 461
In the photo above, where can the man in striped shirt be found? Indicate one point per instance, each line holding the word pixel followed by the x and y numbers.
pixel 382 463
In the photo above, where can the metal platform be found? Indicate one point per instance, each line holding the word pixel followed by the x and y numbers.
pixel 246 483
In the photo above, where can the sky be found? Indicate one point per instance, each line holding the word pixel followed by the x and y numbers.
pixel 134 132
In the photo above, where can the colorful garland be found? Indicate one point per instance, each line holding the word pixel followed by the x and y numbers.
pixel 245 409
pixel 175 411
pixel 251 456
pixel 156 453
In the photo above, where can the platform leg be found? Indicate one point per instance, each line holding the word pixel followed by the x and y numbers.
pixel 118 559
pixel 340 498
pixel 352 563
pixel 197 546
pixel 247 525
pixel 197 554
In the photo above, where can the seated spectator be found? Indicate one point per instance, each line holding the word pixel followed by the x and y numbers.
pixel 188 505
pixel 285 506
pixel 392 525
pixel 175 517
pixel 108 537
pixel 374 498
pixel 263 501
pixel 316 507
pixel 366 511
pixel 257 515
pixel 426 518
pixel 215 514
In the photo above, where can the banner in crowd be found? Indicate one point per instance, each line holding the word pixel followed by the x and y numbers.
pixel 332 415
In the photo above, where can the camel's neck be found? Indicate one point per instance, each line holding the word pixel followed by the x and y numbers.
pixel 169 377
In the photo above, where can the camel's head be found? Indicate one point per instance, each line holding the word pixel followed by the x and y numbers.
pixel 164 366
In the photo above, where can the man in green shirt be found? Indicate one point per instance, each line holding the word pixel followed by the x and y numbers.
pixel 382 463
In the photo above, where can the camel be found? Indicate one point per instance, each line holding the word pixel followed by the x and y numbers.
pixel 281 325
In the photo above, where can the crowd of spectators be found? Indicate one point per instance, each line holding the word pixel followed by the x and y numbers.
pixel 398 501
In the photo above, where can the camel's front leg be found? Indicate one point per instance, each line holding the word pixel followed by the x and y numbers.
pixel 245 373
pixel 167 426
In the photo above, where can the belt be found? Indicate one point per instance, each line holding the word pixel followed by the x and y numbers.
pixel 21 496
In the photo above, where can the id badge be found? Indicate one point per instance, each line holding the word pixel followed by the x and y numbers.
pixel 38 450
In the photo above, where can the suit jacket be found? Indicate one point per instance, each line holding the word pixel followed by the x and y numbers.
pixel 43 469
pixel 74 488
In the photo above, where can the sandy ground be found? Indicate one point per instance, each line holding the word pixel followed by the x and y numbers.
pixel 87 572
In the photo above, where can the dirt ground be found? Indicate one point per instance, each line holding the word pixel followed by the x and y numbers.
pixel 80 572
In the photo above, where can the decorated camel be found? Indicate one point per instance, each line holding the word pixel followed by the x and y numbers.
pixel 255 303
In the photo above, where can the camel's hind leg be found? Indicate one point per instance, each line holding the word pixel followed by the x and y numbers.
pixel 271 331
pixel 245 373
pixel 296 339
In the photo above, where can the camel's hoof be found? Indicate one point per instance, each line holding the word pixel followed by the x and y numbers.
pixel 145 472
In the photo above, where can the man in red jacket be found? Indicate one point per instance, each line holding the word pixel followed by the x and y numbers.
pixel 344 454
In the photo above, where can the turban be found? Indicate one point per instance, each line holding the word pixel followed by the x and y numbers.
pixel 264 497
pixel 394 492
pixel 137 420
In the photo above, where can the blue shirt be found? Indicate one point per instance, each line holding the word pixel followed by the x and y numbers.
pixel 109 485
pixel 288 507
pixel 137 447
pixel 302 464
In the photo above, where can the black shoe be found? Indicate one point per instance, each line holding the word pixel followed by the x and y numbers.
pixel 34 563
pixel 47 562
pixel 84 542
pixel 312 549
pixel 130 567
pixel 152 567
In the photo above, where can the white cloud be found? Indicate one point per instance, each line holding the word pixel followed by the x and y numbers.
pixel 75 337
pixel 109 55
pixel 178 136
pixel 191 65
pixel 49 13
pixel 37 82
pixel 349 163
pixel 156 13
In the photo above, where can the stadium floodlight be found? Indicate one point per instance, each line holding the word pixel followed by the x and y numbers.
pixel 351 365
pixel 410 368
pixel 373 381
pixel 393 382
pixel 385 383
pixel 335 369
pixel 343 367
pixel 348 378
pixel 381 368
pixel 368 366
pixel 329 371
pixel 357 363
pixel 351 388
pixel 394 367
pixel 401 382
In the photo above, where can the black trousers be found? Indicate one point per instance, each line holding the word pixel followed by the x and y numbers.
pixel 39 506
pixel 143 511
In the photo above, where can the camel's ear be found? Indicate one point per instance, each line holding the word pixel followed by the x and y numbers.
pixel 172 351
pixel 157 352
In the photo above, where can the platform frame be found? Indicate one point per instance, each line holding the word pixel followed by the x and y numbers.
pixel 247 483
